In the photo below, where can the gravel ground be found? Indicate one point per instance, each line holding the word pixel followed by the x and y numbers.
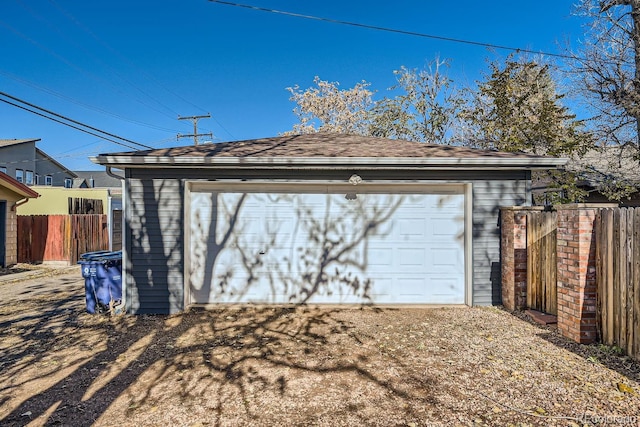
pixel 325 366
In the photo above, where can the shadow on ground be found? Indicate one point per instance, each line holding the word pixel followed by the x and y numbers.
pixel 610 357
pixel 62 366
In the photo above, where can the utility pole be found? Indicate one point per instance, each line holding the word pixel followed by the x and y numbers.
pixel 195 134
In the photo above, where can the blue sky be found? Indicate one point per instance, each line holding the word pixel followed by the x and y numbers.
pixel 131 67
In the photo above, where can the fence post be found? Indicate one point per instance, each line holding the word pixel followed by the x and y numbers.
pixel 577 272
pixel 513 256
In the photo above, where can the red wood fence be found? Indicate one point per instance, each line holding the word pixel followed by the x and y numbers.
pixel 60 237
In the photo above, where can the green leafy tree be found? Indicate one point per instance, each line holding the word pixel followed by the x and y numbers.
pixel 517 108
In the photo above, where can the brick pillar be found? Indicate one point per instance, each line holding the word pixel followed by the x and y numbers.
pixel 577 272
pixel 513 257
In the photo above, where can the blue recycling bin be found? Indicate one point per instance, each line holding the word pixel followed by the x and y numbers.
pixel 102 273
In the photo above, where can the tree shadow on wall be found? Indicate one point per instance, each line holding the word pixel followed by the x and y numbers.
pixel 320 251
pixel 155 230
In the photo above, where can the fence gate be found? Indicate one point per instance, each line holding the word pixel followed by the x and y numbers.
pixel 618 278
pixel 542 292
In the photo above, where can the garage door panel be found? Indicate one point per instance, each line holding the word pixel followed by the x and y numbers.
pixel 268 248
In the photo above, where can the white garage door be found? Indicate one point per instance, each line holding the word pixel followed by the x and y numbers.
pixel 330 244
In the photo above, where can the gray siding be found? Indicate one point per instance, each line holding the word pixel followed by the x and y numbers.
pixel 155 225
pixel 488 197
pixel 19 156
pixel 47 167
pixel 154 245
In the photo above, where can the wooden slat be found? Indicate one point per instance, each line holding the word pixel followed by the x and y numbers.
pixel 61 237
pixel 599 270
pixel 542 261
pixel 552 263
pixel 636 283
pixel 628 260
pixel 616 277
pixel 530 263
pixel 610 274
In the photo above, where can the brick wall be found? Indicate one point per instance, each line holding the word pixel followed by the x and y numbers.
pixel 513 256
pixel 577 273
pixel 576 266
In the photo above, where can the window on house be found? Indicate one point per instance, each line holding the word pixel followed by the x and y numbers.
pixel 48 180
pixel 37 181
pixel 68 183
pixel 28 177
pixel 19 175
pixel 3 169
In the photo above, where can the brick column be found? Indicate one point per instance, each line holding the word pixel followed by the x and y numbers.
pixel 577 272
pixel 513 256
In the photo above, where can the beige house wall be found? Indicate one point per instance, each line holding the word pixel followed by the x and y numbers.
pixel 55 200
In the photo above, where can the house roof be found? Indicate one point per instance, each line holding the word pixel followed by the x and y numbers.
pixel 326 150
pixel 10 142
pixel 606 163
pixel 100 179
pixel 54 161
pixel 16 186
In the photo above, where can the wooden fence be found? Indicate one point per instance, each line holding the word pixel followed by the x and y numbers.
pixel 43 238
pixel 79 205
pixel 541 262
pixel 618 278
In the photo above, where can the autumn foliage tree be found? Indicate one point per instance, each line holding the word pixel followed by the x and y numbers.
pixel 515 108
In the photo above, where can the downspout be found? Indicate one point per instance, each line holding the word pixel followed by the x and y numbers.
pixel 19 203
pixel 113 175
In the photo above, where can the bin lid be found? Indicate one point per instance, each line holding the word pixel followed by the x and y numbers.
pixel 101 256
pixel 91 255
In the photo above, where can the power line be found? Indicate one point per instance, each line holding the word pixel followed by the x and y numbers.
pixel 392 30
pixel 70 120
pixel 80 103
pixel 122 57
pixel 93 75
pixel 66 124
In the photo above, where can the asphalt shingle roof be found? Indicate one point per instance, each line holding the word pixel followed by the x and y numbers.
pixel 10 142
pixel 324 145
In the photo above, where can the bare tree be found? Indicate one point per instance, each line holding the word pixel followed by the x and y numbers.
pixel 606 75
pixel 426 109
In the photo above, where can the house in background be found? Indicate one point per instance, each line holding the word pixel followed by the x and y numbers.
pixel 602 167
pixel 12 194
pixel 22 160
pixel 96 179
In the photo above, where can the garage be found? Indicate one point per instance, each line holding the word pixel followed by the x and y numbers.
pixel 317 218
pixel 329 244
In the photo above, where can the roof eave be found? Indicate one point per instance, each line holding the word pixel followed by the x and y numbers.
pixel 332 162
pixel 18 187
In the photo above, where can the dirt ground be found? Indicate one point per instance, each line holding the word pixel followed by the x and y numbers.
pixel 324 366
